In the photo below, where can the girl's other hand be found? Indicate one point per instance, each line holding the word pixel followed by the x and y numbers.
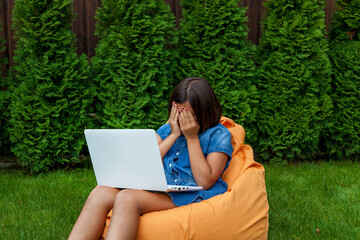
pixel 188 124
pixel 174 120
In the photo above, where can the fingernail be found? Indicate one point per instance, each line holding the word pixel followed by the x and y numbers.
pixel 187 109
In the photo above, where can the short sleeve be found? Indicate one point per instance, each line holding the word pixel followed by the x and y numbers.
pixel 221 142
pixel 164 131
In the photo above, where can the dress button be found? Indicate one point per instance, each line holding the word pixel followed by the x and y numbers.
pixel 170 165
pixel 177 153
pixel 175 180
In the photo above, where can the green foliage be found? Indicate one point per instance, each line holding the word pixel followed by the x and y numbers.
pixel 3 59
pixel 346 23
pixel 294 80
pixel 4 116
pixel 51 95
pixel 213 44
pixel 343 138
pixel 134 65
pixel 4 103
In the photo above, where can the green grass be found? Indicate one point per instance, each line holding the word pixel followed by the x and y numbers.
pixel 42 207
pixel 302 198
pixel 314 200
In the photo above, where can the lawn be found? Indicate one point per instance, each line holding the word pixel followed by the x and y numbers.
pixel 307 201
pixel 314 200
pixel 42 207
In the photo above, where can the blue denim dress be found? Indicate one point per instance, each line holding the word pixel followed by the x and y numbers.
pixel 177 163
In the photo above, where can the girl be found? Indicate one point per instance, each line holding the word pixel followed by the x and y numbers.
pixel 196 150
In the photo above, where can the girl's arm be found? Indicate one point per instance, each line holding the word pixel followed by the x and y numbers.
pixel 175 132
pixel 166 144
pixel 206 171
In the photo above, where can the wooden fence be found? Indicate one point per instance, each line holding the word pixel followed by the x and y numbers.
pixel 84 25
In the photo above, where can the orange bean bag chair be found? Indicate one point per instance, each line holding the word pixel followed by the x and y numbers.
pixel 240 213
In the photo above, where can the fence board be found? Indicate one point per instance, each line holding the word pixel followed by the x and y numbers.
pixel 175 9
pixel 254 14
pixel 329 12
pixel 2 36
pixel 91 39
pixel 84 24
pixel 7 32
pixel 78 25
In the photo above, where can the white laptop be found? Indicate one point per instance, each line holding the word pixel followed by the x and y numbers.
pixel 129 158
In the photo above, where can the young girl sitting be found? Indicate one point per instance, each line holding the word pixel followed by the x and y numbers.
pixel 196 150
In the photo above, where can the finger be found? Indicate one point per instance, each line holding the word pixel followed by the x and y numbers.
pixel 187 116
pixel 192 120
pixel 182 118
pixel 176 113
pixel 173 111
pixel 187 121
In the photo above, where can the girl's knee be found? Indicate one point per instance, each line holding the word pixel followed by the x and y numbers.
pixel 127 198
pixel 103 194
pixel 99 191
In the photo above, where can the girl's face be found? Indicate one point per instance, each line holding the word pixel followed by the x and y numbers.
pixel 185 105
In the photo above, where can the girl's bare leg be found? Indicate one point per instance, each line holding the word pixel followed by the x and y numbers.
pixel 90 223
pixel 128 206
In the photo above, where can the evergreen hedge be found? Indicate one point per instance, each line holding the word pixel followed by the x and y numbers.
pixel 51 95
pixel 213 44
pixel 285 105
pixel 4 117
pixel 134 63
pixel 294 80
pixel 344 137
pixel 4 103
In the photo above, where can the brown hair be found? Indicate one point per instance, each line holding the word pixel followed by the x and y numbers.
pixel 202 99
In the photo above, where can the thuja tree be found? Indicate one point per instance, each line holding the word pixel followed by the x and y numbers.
pixel 133 66
pixel 294 80
pixel 343 138
pixel 4 118
pixel 51 95
pixel 213 44
pixel 4 101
